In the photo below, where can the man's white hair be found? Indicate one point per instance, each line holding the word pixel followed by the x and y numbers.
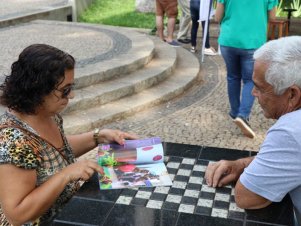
pixel 283 57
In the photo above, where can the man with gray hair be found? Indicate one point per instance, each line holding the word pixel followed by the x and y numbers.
pixel 276 170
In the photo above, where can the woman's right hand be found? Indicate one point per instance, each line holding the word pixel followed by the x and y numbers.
pixel 81 170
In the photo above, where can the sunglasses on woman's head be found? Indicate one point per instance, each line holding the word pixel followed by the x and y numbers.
pixel 66 91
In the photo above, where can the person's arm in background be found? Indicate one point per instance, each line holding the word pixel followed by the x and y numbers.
pixel 272 14
pixel 219 13
pixel 272 8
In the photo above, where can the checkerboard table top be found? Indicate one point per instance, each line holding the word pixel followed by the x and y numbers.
pixel 189 201
pixel 189 192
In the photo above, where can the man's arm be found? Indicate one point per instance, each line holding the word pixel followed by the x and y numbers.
pixel 246 199
pixel 224 172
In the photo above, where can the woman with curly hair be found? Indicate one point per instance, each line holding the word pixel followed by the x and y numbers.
pixel 38 169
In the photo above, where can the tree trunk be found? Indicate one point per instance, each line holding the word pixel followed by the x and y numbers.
pixel 145 6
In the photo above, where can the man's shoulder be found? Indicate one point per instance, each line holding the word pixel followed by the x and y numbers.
pixel 286 128
pixel 290 119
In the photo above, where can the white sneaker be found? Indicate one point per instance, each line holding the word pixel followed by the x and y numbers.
pixel 210 51
pixel 192 49
pixel 244 126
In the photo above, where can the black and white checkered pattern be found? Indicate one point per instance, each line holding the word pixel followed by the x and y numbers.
pixel 189 192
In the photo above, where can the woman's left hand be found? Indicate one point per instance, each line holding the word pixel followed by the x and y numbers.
pixel 110 135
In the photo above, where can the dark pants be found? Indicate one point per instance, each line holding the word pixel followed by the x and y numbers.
pixel 195 13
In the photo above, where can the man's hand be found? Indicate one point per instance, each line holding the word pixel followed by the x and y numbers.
pixel 224 172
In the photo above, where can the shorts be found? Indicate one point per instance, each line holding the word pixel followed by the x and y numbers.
pixel 170 7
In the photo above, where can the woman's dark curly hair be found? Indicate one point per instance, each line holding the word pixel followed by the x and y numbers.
pixel 38 71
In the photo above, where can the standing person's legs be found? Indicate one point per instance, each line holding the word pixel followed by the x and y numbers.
pixel 194 11
pixel 172 13
pixel 247 99
pixel 159 20
pixel 160 27
pixel 207 44
pixel 208 50
pixel 184 21
pixel 238 67
pixel 170 28
pixel 232 62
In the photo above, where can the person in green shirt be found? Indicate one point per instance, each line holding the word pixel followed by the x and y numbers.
pixel 243 30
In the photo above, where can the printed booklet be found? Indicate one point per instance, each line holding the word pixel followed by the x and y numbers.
pixel 137 163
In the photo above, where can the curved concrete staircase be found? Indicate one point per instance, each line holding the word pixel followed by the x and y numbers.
pixel 119 71
pixel 151 72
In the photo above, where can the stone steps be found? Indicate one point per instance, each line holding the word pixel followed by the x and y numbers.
pixel 158 69
pixel 185 73
pixel 116 61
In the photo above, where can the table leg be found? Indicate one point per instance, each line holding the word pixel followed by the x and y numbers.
pixel 289 18
pixel 280 31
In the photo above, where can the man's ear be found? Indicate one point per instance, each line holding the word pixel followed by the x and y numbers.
pixel 294 96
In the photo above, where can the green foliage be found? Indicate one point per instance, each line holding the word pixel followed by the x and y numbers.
pixel 117 13
pixel 279 8
pixel 293 4
pixel 296 4
pixel 109 160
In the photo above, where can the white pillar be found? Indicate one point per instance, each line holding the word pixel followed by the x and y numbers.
pixel 74 10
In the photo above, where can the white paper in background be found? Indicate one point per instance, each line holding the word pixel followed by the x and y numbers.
pixel 204 10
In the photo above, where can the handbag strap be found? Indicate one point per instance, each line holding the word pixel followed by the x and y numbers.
pixel 36 137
